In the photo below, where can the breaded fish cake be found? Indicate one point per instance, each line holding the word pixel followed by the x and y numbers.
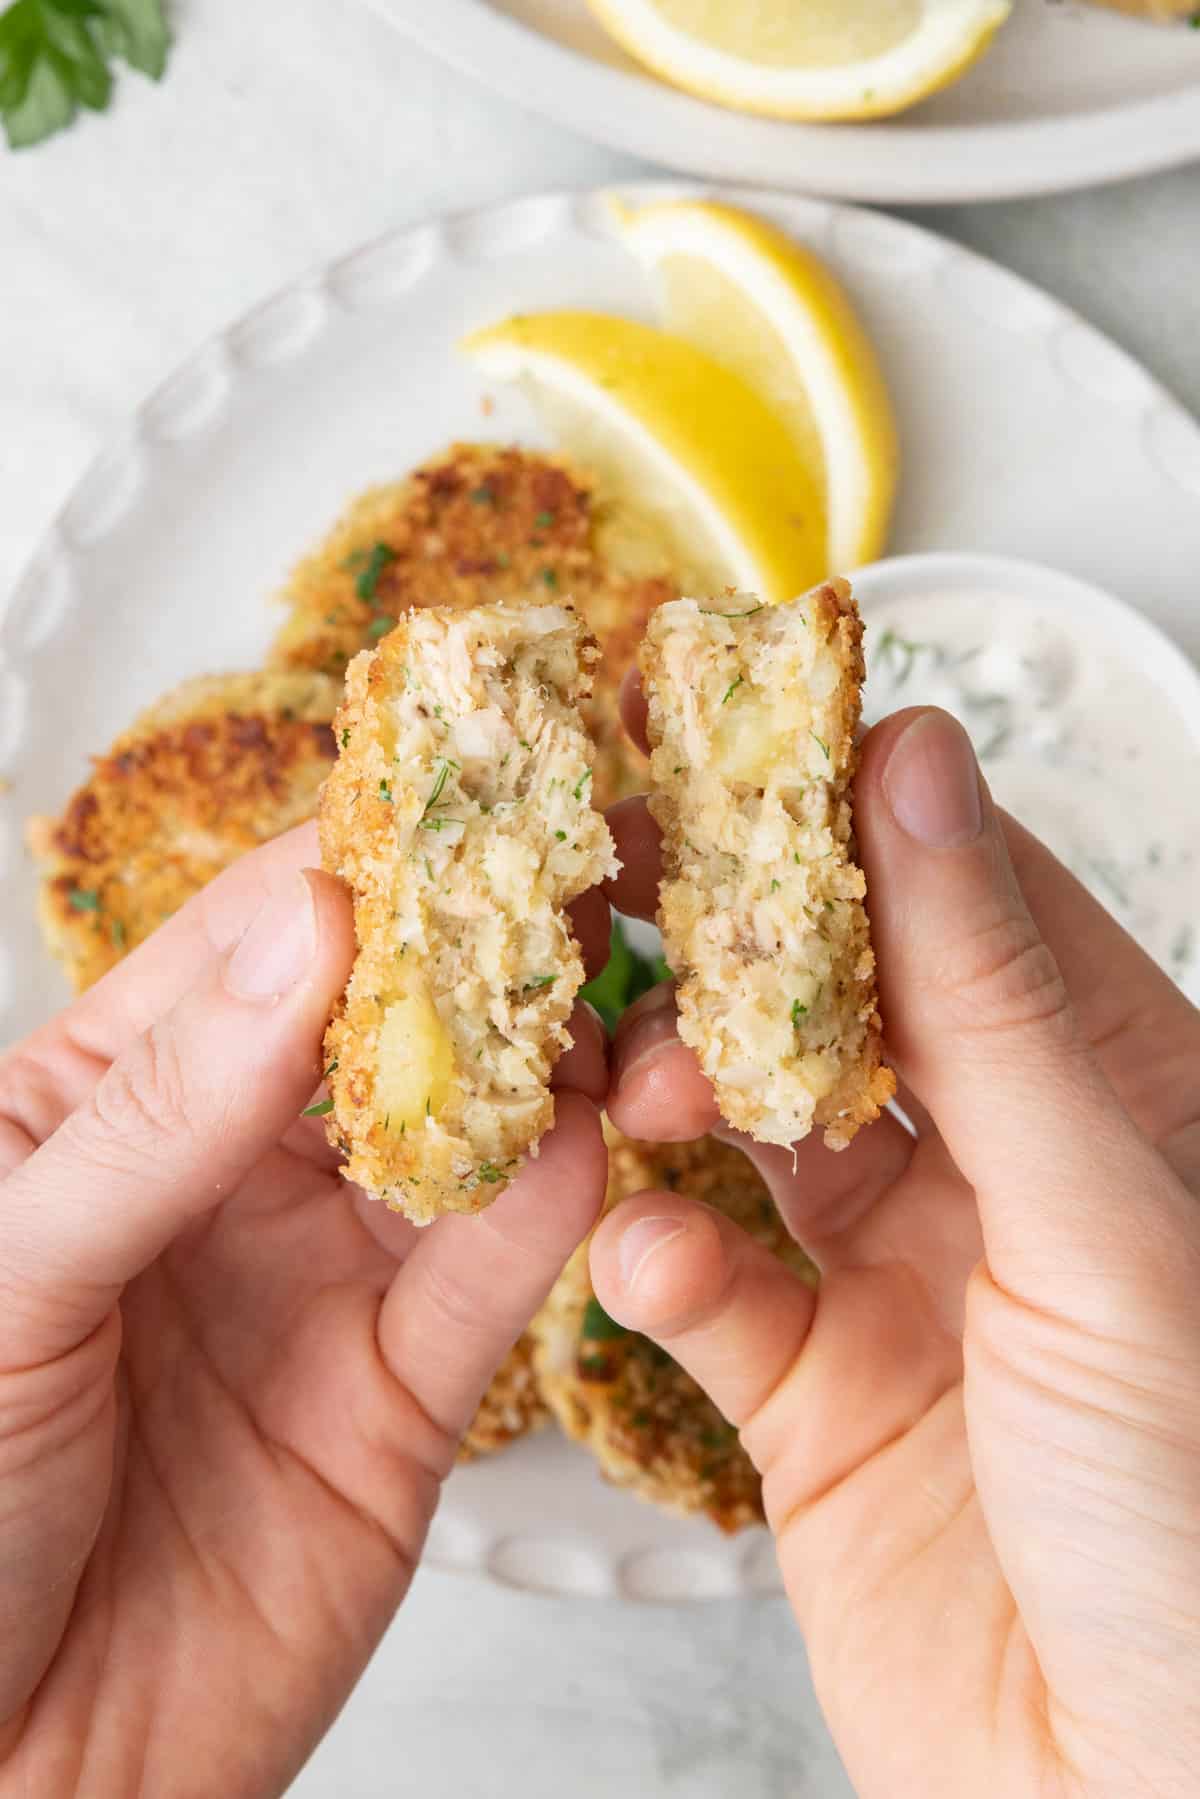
pixel 512 1407
pixel 218 766
pixel 648 1424
pixel 752 717
pixel 479 524
pixel 460 814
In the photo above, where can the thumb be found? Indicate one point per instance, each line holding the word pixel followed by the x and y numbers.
pixel 980 1020
pixel 175 1122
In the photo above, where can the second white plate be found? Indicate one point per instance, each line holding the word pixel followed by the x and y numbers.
pixel 1067 96
pixel 1024 433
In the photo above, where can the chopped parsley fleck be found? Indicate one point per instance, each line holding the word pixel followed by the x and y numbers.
pixel 321 1110
pixel 550 577
pixel 543 520
pixel 796 857
pixel 582 782
pixel 540 980
pixel 597 1326
pixel 374 566
pixel 560 836
pixel 443 775
pixel 821 744
pixel 483 495
pixel 84 899
pixel 489 1173
pixel 732 689
pixel 798 1012
pixel 117 928
pixel 345 737
pixel 524 746
pixel 715 611
pixel 379 627
pixel 774 886
pixel 438 824
pixel 385 792
pixel 332 1069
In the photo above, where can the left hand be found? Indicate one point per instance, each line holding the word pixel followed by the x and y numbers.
pixel 229 1392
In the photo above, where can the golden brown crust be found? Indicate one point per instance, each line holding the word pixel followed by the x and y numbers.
pixel 478 524
pixel 649 1425
pixel 753 712
pixel 459 815
pixel 512 1407
pixel 218 766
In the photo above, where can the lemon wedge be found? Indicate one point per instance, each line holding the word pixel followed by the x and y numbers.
pixel 673 436
pixel 774 314
pixel 806 59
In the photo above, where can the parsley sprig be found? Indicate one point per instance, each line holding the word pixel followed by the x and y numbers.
pixel 55 57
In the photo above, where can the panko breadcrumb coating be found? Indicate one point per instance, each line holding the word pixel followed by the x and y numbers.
pixel 218 766
pixel 512 1407
pixel 752 717
pixel 649 1425
pixel 460 814
pixel 478 524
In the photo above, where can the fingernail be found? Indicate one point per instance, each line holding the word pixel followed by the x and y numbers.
pixel 276 951
pixel 640 1242
pixel 932 783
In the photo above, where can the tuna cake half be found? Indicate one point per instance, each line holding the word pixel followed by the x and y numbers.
pixel 220 765
pixel 753 711
pixel 460 814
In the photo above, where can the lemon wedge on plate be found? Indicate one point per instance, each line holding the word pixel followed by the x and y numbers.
pixel 774 314
pixel 674 437
pixel 806 59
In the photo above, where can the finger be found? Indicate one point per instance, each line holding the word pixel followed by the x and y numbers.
pixel 591 923
pixel 979 1017
pixel 814 1381
pixel 638 840
pixel 657 1091
pixel 175 1122
pixel 1145 1033
pixel 585 1065
pixel 471 1284
pixel 634 709
pixel 48 1074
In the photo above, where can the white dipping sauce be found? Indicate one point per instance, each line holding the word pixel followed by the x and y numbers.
pixel 1089 753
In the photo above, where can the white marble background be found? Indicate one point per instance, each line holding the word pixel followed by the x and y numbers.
pixel 289 130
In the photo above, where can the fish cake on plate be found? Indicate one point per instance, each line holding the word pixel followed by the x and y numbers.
pixel 220 765
pixel 477 525
pixel 460 815
pixel 511 1408
pixel 753 711
pixel 649 1425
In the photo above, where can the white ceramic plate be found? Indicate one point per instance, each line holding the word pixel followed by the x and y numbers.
pixel 1024 433
pixel 1067 96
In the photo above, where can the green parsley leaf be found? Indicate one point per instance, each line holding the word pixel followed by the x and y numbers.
pixel 345 738
pixel 540 980
pixel 374 566
pixel 489 1173
pixel 560 836
pixel 624 978
pixel 385 792
pixel 322 1109
pixel 715 611
pixel 798 1012
pixel 582 782
pixel 84 899
pixel 332 1069
pixel 379 627
pixel 732 689
pixel 54 57
pixel 597 1326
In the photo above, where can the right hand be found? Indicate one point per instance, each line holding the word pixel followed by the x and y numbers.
pixel 980 1439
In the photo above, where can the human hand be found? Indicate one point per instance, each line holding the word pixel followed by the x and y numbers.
pixel 980 1439
pixel 228 1392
